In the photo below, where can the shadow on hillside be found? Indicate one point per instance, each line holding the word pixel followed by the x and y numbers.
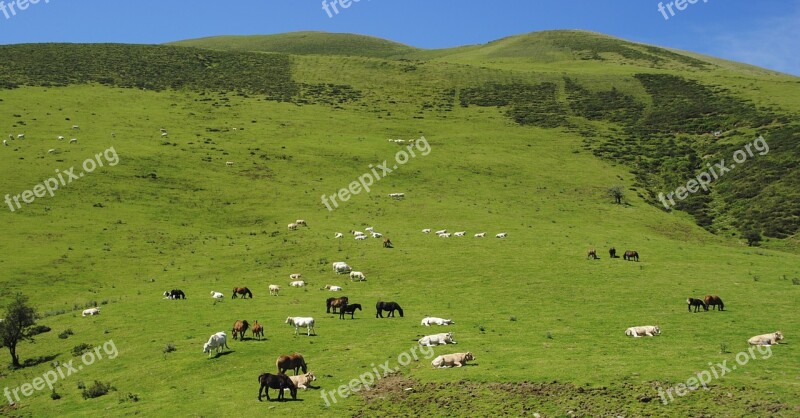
pixel 224 353
pixel 38 360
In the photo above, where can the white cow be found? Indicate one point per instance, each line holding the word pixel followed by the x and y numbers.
pixel 295 276
pixel 301 222
pixel 501 235
pixel 302 381
pixel 60 138
pixel 481 235
pixel 76 127
pixel 298 321
pixel 21 136
pixel 357 275
pixel 164 134
pixel 446 235
pixel 274 289
pixel 441 231
pixel 338 235
pixel 766 339
pixel 217 341
pixel 432 320
pixel 648 330
pixel 377 235
pixel 73 141
pixel 297 283
pixel 397 195
pixel 51 151
pixel 460 233
pixel 5 142
pixel 356 233
pixel 436 339
pixel 229 163
pixel 369 228
pixel 361 237
pixel 292 226
pixel 91 311
pixel 216 295
pixel 333 288
pixel 341 267
pixel 426 231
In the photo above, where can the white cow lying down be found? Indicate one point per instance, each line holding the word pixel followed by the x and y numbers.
pixel 91 311
pixel 452 360
pixel 216 295
pixel 766 339
pixel 648 330
pixel 436 339
pixel 432 320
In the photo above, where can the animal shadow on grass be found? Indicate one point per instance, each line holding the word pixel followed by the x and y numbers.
pixel 224 353
pixel 38 360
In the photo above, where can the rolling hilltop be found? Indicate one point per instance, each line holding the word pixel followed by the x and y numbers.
pixel 527 135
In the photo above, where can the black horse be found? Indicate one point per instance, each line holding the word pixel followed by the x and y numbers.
pixel 276 381
pixel 612 252
pixel 388 306
pixel 349 309
pixel 175 294
pixel 697 303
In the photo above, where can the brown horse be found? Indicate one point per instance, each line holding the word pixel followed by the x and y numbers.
pixel 240 327
pixel 276 381
pixel 697 303
pixel 630 256
pixel 258 330
pixel 714 301
pixel 592 254
pixel 245 292
pixel 333 303
pixel 387 243
pixel 293 361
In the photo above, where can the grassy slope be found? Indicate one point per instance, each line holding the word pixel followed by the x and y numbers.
pixel 203 226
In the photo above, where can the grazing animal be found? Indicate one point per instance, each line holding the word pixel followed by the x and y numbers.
pixel 73 141
pixel 245 292
pixel 397 195
pixel 294 361
pixel 592 254
pixel 697 303
pixel 216 341
pixel 21 136
pixel 349 309
pixel 276 381
pixel 452 360
pixel 432 320
pixel 274 289
pixel 480 235
pixel 301 222
pixel 239 328
pixel 216 295
pixel 334 303
pixel 648 330
pixel 356 233
pixel 376 235
pixel 164 134
pixel 5 142
pixel 714 301
pixel 612 252
pixel 60 138
pixel 76 127
pixel 304 380
pixel 297 283
pixel 338 235
pixel 501 235
pixel 361 237
pixel 292 226
pixel 766 339
pixel 357 275
pixel 298 322
pixel 229 163
pixel 91 312
pixel 11 137
pixel 460 234
pixel 258 330
pixel 426 231
pixel 333 288
pixel 631 256
pixel 51 151
pixel 175 294
pixel 387 243
pixel 370 229
pixel 296 276
pixel 445 235
pixel 441 231
pixel 341 267
pixel 436 339
pixel 388 306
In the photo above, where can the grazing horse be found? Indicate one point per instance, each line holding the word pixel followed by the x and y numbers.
pixel 630 256
pixel 697 303
pixel 175 294
pixel 293 361
pixel 349 309
pixel 258 330
pixel 245 292
pixel 276 381
pixel 592 254
pixel 240 327
pixel 714 301
pixel 333 303
pixel 387 243
pixel 612 252
pixel 388 306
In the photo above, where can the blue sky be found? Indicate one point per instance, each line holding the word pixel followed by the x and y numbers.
pixel 760 32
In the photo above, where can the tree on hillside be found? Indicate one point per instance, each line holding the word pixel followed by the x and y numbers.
pixel 617 192
pixel 752 236
pixel 17 326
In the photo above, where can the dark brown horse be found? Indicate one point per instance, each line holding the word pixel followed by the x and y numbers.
pixel 293 361
pixel 349 309
pixel 387 243
pixel 245 292
pixel 612 252
pixel 630 256
pixel 258 330
pixel 334 303
pixel 387 306
pixel 714 301
pixel 697 303
pixel 276 381
pixel 240 327
pixel 592 254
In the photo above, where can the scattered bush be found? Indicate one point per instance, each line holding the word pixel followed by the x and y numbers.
pixel 66 333
pixel 131 397
pixel 54 395
pixel 169 348
pixel 99 389
pixel 80 349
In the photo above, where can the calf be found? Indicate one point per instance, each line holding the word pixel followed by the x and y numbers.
pixel 452 360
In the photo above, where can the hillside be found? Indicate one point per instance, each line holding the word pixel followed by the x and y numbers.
pixel 518 143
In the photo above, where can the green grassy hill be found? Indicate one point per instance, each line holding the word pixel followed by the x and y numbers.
pixel 514 148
